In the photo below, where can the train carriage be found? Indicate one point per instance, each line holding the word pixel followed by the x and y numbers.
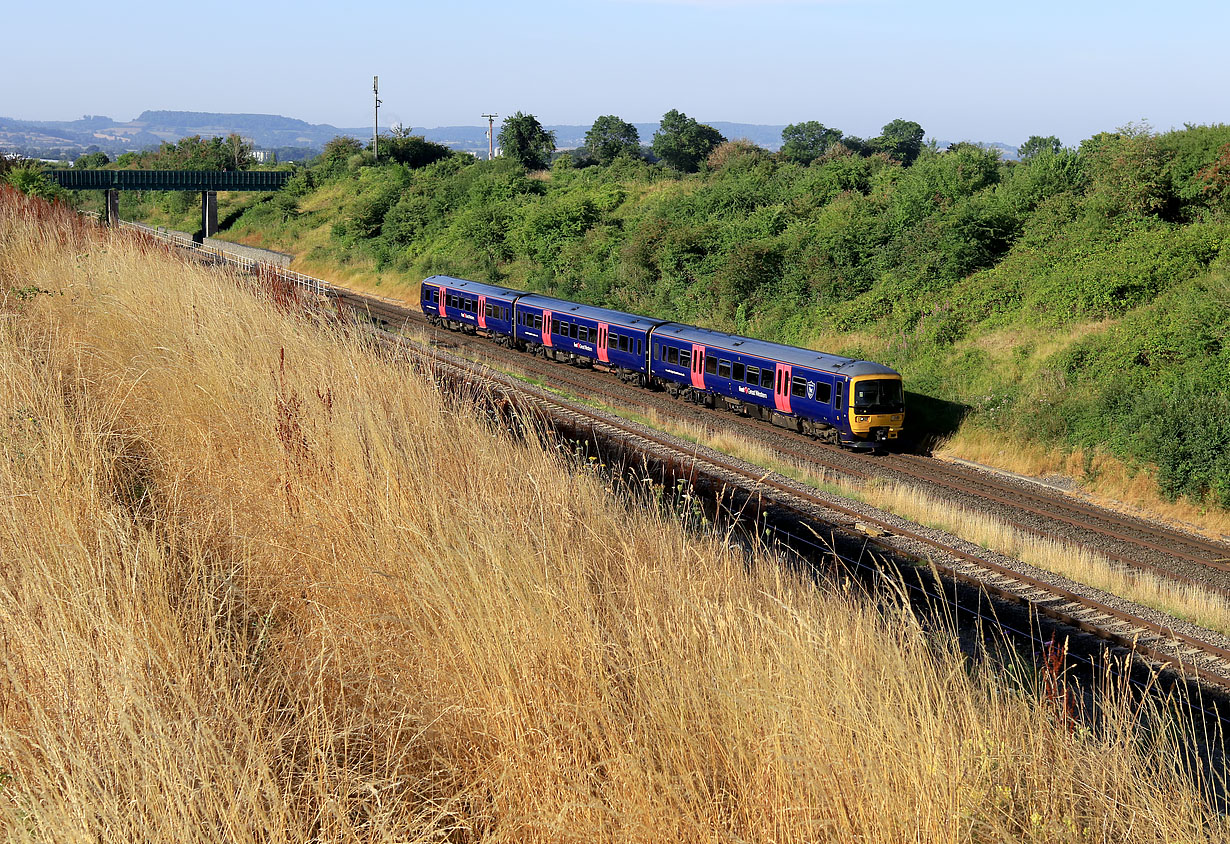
pixel 585 335
pixel 855 403
pixel 852 402
pixel 470 306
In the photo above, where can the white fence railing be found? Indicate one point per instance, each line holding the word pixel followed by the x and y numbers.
pixel 307 283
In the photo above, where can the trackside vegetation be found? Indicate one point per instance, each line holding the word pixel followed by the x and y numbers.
pixel 1077 299
pixel 263 582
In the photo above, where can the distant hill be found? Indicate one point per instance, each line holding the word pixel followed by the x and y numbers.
pixel 289 137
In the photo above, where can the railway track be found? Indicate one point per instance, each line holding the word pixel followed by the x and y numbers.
pixel 1160 644
pixel 1127 542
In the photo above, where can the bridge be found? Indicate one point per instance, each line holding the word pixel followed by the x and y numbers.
pixel 208 182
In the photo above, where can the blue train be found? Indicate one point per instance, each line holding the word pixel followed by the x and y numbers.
pixel 854 403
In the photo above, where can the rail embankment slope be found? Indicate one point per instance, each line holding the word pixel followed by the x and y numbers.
pixel 1067 313
pixel 261 582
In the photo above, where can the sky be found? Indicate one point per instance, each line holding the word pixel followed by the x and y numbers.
pixel 969 70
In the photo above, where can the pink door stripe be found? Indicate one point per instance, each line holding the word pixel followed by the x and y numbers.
pixel 603 332
pixel 698 366
pixel 441 302
pixel 781 396
pixel 546 328
pixel 482 311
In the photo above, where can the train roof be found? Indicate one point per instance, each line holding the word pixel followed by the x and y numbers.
pixel 476 287
pixel 564 307
pixel 775 351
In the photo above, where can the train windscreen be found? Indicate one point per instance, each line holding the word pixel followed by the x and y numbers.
pixel 879 396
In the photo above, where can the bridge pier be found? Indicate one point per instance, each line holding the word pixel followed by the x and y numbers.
pixel 113 207
pixel 209 213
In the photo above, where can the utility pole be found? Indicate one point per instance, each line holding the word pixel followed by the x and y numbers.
pixel 490 129
pixel 376 127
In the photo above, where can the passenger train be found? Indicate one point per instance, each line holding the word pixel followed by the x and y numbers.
pixel 853 403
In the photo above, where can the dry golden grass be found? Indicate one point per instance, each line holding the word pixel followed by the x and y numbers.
pixel 1197 605
pixel 261 584
pixel 1104 478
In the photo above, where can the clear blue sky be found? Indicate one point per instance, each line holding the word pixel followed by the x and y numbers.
pixel 972 69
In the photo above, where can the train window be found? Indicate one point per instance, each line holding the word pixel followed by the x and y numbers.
pixel 753 375
pixel 583 333
pixel 823 392
pixel 711 365
pixel 538 321
pixel 638 347
pixel 766 378
pixel 685 359
pixel 657 351
pixel 737 371
pixel 723 369
pixel 623 343
pixel 672 355
pixel 426 295
pixel 798 386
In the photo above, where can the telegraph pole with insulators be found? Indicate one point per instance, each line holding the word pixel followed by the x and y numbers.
pixel 376 126
pixel 490 139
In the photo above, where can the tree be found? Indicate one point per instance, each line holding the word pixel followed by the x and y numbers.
pixel 340 149
pixel 238 152
pixel 902 139
pixel 805 142
pixel 412 150
pixel 523 139
pixel 1037 144
pixel 611 137
pixel 91 161
pixel 683 143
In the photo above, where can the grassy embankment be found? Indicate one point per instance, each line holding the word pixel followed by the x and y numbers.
pixel 264 584
pixel 1066 314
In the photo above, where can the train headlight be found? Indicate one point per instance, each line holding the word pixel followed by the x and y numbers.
pixel 897 418
pixel 860 418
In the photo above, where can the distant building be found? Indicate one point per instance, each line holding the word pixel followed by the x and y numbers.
pixel 264 156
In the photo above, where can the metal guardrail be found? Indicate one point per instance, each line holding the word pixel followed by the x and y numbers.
pixel 309 284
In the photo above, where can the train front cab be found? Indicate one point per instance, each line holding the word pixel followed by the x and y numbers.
pixel 876 410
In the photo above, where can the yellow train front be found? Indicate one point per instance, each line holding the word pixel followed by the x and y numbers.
pixel 877 407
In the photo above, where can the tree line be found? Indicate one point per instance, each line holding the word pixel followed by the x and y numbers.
pixel 685 144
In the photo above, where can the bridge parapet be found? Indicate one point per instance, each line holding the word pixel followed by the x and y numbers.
pixel 202 180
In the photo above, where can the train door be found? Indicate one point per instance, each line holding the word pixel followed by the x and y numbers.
pixel 698 366
pixel 839 400
pixel 482 311
pixel 440 304
pixel 781 388
pixel 603 333
pixel 546 328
